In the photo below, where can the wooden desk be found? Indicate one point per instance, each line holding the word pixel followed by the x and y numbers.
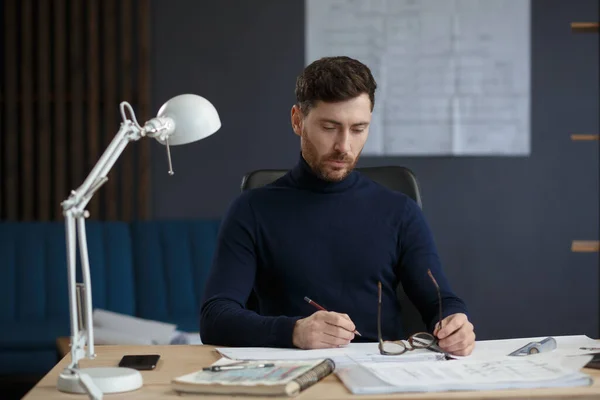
pixel 183 359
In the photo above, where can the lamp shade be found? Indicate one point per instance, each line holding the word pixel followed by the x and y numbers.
pixel 195 118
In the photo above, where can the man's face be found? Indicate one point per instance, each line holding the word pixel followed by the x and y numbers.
pixel 333 135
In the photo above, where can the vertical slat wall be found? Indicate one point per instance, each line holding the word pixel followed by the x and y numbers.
pixel 76 67
pixel 66 66
pixel 9 136
pixel 143 53
pixel 59 180
pixel 126 93
pixel 44 141
pixel 109 115
pixel 26 120
pixel 93 91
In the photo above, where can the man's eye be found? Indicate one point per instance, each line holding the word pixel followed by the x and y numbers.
pixel 358 130
pixel 329 128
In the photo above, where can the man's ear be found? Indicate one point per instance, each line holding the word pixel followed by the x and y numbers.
pixel 297 120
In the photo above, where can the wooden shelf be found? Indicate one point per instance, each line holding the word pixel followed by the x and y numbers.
pixel 584 136
pixel 585 246
pixel 585 27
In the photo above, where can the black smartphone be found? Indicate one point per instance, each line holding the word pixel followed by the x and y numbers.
pixel 140 362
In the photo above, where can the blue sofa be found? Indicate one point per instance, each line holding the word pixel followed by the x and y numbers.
pixel 155 270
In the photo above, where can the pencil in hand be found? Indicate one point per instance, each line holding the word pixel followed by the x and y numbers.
pixel 318 307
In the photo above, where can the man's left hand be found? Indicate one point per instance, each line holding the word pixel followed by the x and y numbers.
pixel 456 336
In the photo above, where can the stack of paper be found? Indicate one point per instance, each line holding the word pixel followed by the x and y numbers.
pixel 488 367
pixel 186 338
pixel 114 328
pixel 539 371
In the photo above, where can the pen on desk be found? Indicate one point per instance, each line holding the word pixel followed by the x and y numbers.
pixel 217 368
pixel 317 306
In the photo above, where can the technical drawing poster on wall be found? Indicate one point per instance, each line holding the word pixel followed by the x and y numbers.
pixel 453 75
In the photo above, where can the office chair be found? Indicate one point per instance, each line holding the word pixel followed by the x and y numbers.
pixel 396 178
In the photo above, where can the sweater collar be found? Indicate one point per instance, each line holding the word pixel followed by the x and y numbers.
pixel 305 178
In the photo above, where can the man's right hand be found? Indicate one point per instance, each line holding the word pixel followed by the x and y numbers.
pixel 323 329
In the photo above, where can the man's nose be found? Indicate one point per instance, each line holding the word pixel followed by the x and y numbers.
pixel 342 143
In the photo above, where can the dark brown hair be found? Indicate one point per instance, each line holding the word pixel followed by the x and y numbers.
pixel 334 79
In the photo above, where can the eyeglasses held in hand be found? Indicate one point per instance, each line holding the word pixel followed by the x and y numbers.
pixel 419 340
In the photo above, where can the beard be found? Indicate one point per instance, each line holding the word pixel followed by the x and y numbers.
pixel 320 166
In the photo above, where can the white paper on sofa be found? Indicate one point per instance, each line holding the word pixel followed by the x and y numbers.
pixel 125 327
pixel 111 336
pixel 186 338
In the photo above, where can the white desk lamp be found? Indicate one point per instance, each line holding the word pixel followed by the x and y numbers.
pixel 181 120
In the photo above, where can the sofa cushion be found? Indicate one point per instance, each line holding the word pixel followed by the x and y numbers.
pixel 33 335
pixel 189 323
pixel 27 361
pixel 33 287
pixel 172 260
pixel 33 290
pixel 111 266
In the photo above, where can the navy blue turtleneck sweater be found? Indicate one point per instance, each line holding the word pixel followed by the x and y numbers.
pixel 302 236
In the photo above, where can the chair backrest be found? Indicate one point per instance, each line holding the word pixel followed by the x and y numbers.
pixel 396 178
pixel 399 179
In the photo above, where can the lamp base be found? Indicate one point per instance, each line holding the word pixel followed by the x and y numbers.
pixel 107 379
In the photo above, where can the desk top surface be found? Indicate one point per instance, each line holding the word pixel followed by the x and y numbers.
pixel 177 360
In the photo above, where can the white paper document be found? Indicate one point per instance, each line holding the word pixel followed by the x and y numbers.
pixel 354 353
pixel 488 367
pixel 570 345
pixel 453 75
pixel 192 338
pixel 502 373
pixel 112 336
pixel 114 325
